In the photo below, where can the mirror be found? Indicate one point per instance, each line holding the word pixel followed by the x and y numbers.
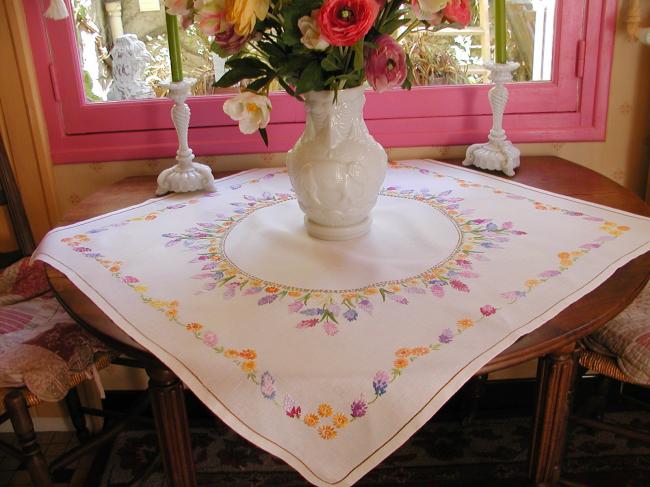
pixel 123 48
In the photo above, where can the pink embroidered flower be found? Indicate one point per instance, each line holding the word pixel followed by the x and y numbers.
pixel 386 64
pixel 330 328
pixel 459 286
pixel 358 408
pixel 130 279
pixel 210 339
pixel 291 408
pixel 488 310
pixel 307 323
pixel 295 306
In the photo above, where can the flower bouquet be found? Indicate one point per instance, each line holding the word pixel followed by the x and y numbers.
pixel 321 52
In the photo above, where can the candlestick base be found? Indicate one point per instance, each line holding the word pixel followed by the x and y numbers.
pixel 186 175
pixel 498 153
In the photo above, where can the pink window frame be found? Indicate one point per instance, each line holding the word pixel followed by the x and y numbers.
pixel 570 107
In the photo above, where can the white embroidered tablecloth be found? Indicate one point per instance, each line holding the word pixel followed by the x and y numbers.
pixel 331 354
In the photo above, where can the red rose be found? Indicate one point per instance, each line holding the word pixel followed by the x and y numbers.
pixel 458 11
pixel 344 22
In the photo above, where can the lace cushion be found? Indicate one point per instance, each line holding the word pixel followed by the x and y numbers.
pixel 627 338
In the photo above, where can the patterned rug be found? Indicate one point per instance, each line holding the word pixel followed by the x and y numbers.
pixel 488 452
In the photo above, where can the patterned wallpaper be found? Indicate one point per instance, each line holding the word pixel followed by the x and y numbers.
pixel 623 156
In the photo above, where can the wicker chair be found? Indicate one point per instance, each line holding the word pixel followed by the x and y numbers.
pixel 620 351
pixel 17 329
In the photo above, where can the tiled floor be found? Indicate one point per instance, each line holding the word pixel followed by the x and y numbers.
pixel 12 474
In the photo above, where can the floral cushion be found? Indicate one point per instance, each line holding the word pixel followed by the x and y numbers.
pixel 40 345
pixel 627 338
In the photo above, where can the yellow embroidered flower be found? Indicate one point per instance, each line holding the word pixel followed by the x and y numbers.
pixel 609 224
pixel 401 363
pixel 465 323
pixel 171 313
pixel 173 304
pixel 532 282
pixel 623 228
pixel 140 288
pixel 564 255
pixel 468 247
pixel 327 432
pixel 153 216
pixel 370 290
pixel 403 352
pixel 212 250
pixel 249 354
pixel 193 326
pixel 340 420
pixel 248 366
pixel 325 410
pixel 230 353
pixel 244 13
pixel 311 419
pixel 157 304
pixel 395 288
pixel 272 289
pixel 295 294
pixel 115 268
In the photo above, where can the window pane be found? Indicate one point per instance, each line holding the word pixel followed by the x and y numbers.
pixel 124 54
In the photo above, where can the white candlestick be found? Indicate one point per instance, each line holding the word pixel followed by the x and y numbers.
pixel 498 153
pixel 186 175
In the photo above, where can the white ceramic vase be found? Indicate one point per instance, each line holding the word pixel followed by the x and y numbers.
pixel 336 168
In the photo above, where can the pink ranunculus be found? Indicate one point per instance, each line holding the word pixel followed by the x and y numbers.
pixel 458 11
pixel 386 64
pixel 229 42
pixel 345 22
pixel 178 7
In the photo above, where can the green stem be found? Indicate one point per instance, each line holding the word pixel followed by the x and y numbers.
pixel 409 28
pixel 174 48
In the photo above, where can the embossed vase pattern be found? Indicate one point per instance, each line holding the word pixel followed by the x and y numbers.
pixel 336 167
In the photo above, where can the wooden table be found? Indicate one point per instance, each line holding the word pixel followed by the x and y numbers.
pixel 554 343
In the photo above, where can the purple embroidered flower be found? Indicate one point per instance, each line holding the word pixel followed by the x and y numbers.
pixel 210 339
pixel 358 408
pixel 548 274
pixel 312 312
pixel 399 299
pixel 446 336
pixel 291 408
pixel 252 290
pixel 465 264
pixel 380 382
pixel 295 306
pixel 351 315
pixel 437 290
pixel 488 310
pixel 130 279
pixel 81 249
pixel 267 386
pixel 365 305
pixel 232 289
pixel 459 286
pixel 268 299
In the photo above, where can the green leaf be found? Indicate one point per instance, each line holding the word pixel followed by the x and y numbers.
pixel 235 75
pixel 294 63
pixel 331 63
pixel 291 13
pixel 246 62
pixel 259 83
pixel 288 88
pixel 391 26
pixel 265 136
pixel 311 79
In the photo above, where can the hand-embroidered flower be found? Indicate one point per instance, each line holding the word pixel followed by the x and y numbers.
pixel 311 419
pixel 291 408
pixel 446 336
pixel 267 386
pixel 488 310
pixel 358 408
pixel 465 323
pixel 327 432
pixel 325 410
pixel 340 420
pixel 380 382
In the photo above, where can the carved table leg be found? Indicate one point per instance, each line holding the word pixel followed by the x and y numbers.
pixel 555 378
pixel 168 403
pixel 24 429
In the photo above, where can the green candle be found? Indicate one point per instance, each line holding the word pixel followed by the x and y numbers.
pixel 174 47
pixel 500 31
